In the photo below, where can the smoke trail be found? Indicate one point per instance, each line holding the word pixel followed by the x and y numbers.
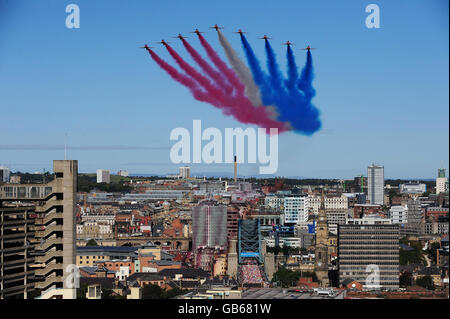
pixel 231 76
pixel 197 76
pixel 306 78
pixel 293 105
pixel 292 69
pixel 181 78
pixel 240 107
pixel 211 72
pixel 276 78
pixel 243 72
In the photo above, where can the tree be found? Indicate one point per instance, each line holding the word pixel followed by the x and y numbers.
pixel 81 291
pixel 91 242
pixel 425 282
pixel 288 277
pixel 406 279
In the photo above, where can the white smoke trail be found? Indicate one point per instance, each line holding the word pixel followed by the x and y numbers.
pixel 243 72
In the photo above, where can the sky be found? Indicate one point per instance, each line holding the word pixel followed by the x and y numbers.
pixel 382 93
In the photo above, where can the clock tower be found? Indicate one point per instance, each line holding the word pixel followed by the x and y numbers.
pixel 321 249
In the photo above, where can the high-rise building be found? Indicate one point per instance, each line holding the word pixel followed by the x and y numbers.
pixel 16 259
pixel 369 254
pixel 184 172
pixel 103 176
pixel 441 182
pixel 4 174
pixel 375 184
pixel 209 226
pixel 54 241
pixel 296 209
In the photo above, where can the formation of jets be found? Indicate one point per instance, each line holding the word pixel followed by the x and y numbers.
pixel 216 27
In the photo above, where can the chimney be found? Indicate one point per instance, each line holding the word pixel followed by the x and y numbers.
pixel 235 169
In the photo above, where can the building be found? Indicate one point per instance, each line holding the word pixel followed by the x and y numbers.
pixel 332 203
pixel 185 172
pixel 369 254
pixel 296 209
pixel 441 182
pixel 375 184
pixel 55 237
pixel 4 174
pixel 412 188
pixel 123 173
pixel 369 220
pixel 14 179
pixel 209 225
pixel 103 176
pixel 398 214
pixel 16 259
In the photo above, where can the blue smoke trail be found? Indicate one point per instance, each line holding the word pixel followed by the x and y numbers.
pixel 258 74
pixel 276 78
pixel 305 81
pixel 292 70
pixel 291 96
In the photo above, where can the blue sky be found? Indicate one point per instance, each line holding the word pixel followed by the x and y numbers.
pixel 383 93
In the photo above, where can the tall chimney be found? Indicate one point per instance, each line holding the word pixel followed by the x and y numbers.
pixel 235 169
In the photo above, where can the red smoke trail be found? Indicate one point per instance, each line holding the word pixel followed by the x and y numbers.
pixel 213 74
pixel 181 78
pixel 240 107
pixel 229 73
pixel 215 92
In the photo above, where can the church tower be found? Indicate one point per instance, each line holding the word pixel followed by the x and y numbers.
pixel 321 249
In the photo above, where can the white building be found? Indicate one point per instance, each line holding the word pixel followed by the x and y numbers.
pixel 185 172
pixel 331 203
pixel 413 188
pixel 441 182
pixel 399 214
pixel 296 209
pixel 4 174
pixel 274 201
pixel 369 220
pixel 103 176
pixel 123 173
pixel 375 184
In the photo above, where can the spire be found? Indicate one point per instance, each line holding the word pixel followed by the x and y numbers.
pixel 322 201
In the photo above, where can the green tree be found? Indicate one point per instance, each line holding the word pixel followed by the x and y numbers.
pixel 81 291
pixel 406 279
